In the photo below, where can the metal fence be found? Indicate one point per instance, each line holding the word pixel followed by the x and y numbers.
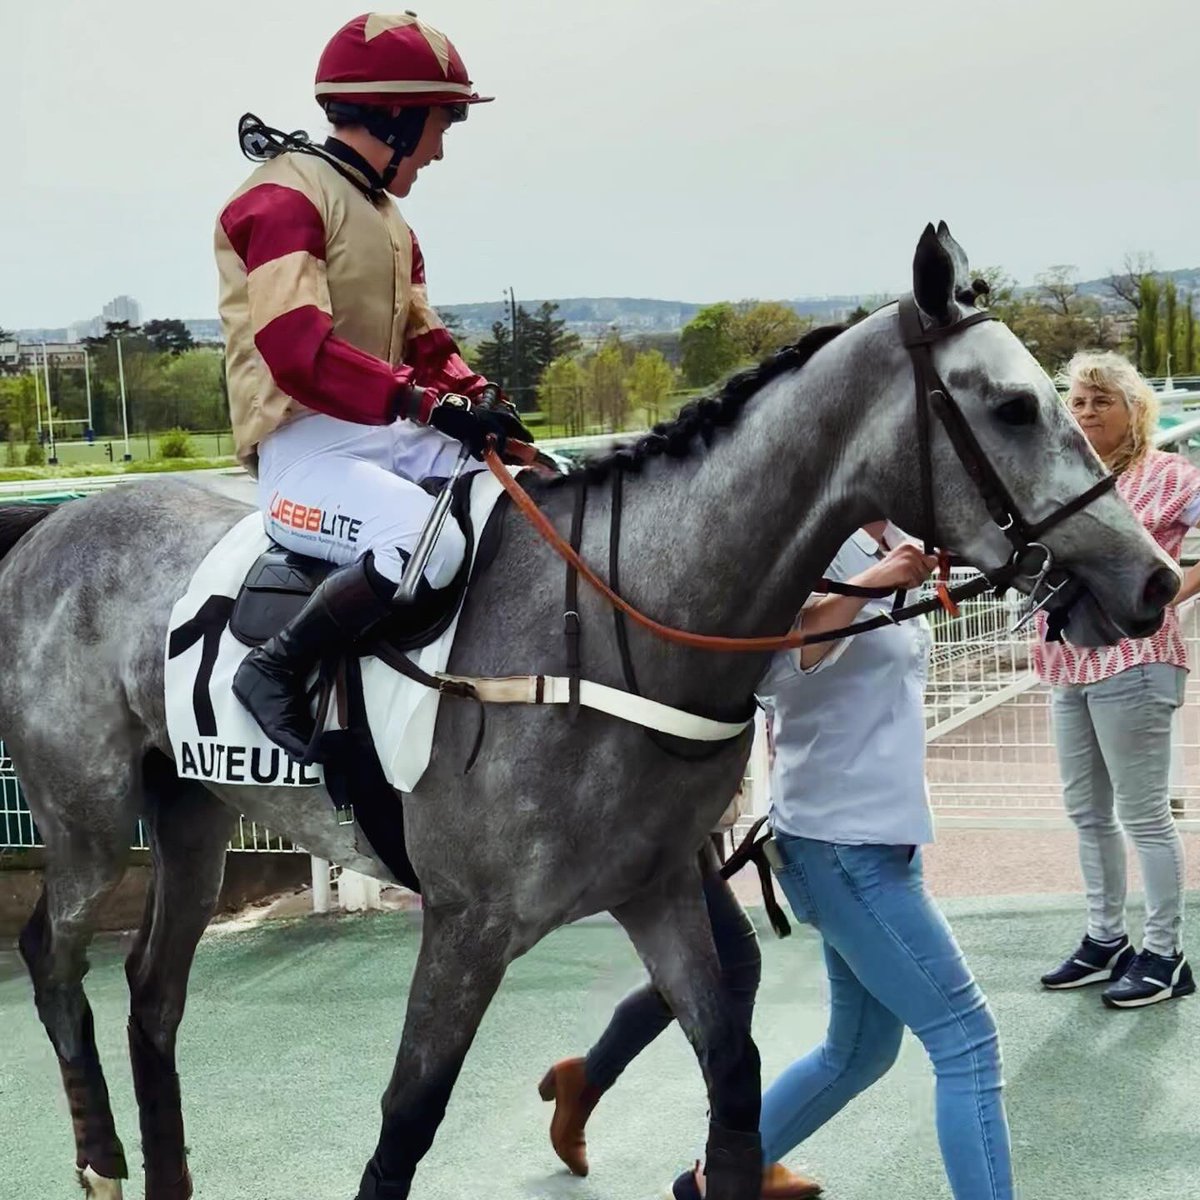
pixel 990 750
pixel 18 830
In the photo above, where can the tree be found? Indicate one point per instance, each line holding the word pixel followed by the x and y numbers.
pixel 18 413
pixel 1170 327
pixel 493 356
pixel 546 336
pixel 168 337
pixel 1126 286
pixel 606 398
pixel 1188 364
pixel 761 327
pixel 193 391
pixel 708 344
pixel 650 381
pixel 1146 325
pixel 561 395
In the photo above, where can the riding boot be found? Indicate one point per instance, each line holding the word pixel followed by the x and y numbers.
pixel 271 681
pixel 566 1083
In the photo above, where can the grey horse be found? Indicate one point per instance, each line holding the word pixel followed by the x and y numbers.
pixel 725 532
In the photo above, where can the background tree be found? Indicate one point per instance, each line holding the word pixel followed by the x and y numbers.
pixel 606 397
pixel 709 348
pixel 650 382
pixel 1146 324
pixel 1170 330
pixel 193 392
pixel 168 336
pixel 1188 365
pixel 561 395
pixel 546 337
pixel 493 356
pixel 761 327
pixel 1126 286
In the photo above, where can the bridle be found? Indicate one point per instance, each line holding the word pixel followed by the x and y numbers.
pixel 935 398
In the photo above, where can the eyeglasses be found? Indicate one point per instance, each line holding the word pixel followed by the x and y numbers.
pixel 1098 404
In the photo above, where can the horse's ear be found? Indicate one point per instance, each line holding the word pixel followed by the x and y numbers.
pixel 933 277
pixel 958 256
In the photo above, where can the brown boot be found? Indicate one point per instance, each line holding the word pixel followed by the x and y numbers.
pixel 781 1184
pixel 778 1184
pixel 574 1098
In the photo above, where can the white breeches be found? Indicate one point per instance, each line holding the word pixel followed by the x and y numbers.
pixel 332 489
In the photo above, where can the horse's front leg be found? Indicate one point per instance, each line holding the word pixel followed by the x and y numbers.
pixel 669 925
pixel 464 953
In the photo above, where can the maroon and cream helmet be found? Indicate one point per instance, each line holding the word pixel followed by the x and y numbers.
pixel 389 61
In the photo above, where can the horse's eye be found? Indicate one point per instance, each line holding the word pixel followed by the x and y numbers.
pixel 1020 410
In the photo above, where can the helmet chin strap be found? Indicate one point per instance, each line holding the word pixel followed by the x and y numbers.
pixel 401 133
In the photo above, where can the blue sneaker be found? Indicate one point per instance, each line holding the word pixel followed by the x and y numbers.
pixel 1093 962
pixel 1149 979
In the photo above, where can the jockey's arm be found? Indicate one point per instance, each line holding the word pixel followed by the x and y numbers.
pixel 279 235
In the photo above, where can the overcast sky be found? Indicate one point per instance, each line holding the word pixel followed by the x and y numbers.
pixel 682 149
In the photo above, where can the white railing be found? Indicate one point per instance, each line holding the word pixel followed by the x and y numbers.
pixel 18 831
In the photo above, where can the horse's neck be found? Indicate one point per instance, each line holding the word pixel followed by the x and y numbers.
pixel 733 541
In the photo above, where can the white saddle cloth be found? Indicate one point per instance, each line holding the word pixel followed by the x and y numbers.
pixel 212 735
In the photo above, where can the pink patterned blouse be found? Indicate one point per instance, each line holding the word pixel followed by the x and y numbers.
pixel 1164 491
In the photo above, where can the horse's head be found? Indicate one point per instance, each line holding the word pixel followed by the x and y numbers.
pixel 1011 478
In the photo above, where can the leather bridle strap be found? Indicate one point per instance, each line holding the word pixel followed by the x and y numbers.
pixel 682 637
pixel 934 396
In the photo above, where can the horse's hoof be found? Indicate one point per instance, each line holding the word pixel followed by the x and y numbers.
pixel 97 1187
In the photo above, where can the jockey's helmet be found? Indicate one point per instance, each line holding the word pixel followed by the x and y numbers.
pixel 385 72
pixel 393 61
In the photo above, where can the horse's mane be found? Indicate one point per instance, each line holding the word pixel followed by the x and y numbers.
pixel 702 418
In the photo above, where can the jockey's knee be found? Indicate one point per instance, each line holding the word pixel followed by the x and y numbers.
pixel 443 564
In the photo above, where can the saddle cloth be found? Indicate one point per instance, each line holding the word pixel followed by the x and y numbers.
pixel 212 735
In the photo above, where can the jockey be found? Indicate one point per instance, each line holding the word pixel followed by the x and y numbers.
pixel 345 389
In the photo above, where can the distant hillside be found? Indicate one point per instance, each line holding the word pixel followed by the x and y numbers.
pixel 591 315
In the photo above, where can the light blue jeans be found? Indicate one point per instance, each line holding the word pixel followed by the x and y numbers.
pixel 892 962
pixel 1114 755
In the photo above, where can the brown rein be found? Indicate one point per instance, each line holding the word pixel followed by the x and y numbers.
pixel 680 637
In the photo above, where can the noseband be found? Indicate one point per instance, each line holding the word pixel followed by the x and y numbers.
pixel 1030 557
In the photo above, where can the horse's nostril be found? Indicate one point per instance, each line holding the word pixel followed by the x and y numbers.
pixel 1160 588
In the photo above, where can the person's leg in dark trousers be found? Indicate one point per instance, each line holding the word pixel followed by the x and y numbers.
pixel 576 1084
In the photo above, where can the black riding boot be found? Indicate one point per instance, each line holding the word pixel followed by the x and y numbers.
pixel 271 681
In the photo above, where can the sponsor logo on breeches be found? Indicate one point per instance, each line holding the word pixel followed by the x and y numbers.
pixel 306 519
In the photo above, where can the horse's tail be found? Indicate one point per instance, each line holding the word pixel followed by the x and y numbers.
pixel 16 520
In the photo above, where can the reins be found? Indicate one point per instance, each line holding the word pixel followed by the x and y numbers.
pixel 724 645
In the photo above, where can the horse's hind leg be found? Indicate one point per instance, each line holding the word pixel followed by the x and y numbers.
pixel 463 956
pixel 85 861
pixel 189 832
pixel 669 925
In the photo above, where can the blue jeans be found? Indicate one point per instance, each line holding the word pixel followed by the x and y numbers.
pixel 892 962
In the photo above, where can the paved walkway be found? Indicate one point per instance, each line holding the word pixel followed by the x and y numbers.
pixel 291 1027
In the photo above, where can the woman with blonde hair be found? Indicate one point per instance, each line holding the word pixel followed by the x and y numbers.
pixel 1113 708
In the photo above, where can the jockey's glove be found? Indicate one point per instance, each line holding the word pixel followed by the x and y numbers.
pixel 472 425
pixel 494 400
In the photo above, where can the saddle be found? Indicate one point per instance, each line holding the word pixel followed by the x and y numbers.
pixel 280 582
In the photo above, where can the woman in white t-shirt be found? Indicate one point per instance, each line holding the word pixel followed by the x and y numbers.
pixel 850 813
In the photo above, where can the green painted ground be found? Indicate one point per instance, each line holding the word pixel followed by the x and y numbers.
pixel 290 1031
